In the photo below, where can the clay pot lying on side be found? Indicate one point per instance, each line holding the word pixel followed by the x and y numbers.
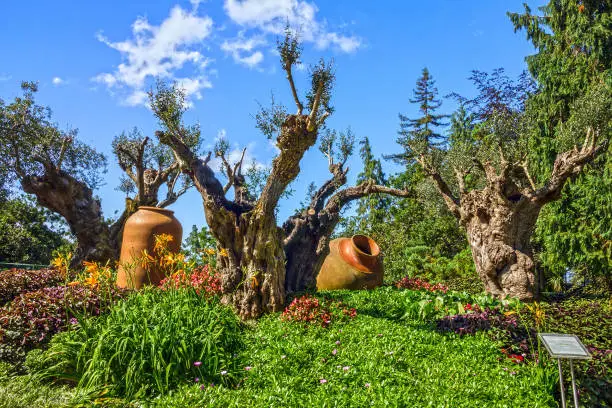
pixel 139 234
pixel 352 263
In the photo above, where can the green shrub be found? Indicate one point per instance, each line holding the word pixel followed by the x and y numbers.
pixel 458 273
pixel 147 345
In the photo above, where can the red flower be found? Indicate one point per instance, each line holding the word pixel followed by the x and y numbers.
pixel 516 358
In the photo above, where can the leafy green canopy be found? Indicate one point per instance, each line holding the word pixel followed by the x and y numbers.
pixel 27 233
pixel 32 145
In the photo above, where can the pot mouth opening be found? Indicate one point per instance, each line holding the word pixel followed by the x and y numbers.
pixel 156 209
pixel 365 245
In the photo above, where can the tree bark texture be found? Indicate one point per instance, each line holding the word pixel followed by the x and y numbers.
pixel 74 200
pixel 500 218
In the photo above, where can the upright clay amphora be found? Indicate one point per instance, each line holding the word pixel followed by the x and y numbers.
pixel 139 234
pixel 352 263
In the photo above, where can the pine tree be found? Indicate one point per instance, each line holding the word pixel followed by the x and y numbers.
pixel 370 209
pixel 421 133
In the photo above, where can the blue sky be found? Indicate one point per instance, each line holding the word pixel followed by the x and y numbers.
pixel 94 60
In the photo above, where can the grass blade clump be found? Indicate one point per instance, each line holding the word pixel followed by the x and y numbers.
pixel 148 344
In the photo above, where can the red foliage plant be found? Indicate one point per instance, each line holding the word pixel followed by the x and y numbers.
pixel 420 284
pixel 32 318
pixel 203 279
pixel 309 309
pixel 14 282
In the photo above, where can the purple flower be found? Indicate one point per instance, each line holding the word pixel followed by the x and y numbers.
pixel 196 379
pixel 197 363
pixel 203 386
pixel 334 352
pixel 248 368
pixel 337 342
pixel 367 385
pixel 73 321
pixel 322 380
pixel 346 368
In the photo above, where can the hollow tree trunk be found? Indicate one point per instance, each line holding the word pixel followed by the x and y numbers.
pixel 74 200
pixel 499 233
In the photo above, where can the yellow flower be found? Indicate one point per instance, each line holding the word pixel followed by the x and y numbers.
pixel 209 251
pixel 223 252
pixel 74 283
pixel 161 242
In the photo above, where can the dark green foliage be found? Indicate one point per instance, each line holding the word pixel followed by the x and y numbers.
pixel 422 131
pixel 371 209
pixel 26 235
pixel 14 282
pixel 576 232
pixel 148 345
pixel 573 40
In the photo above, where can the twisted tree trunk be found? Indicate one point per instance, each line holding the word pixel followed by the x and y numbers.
pixel 74 200
pixel 500 218
pixel 499 233
pixel 308 234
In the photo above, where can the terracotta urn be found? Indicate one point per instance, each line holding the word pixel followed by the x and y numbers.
pixel 352 263
pixel 139 234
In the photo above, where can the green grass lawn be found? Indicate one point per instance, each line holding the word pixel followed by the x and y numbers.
pixel 375 359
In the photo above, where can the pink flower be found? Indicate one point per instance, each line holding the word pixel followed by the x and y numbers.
pixel 334 352
pixel 322 380
pixel 337 342
pixel 367 385
pixel 197 363
pixel 346 368
pixel 203 386
pixel 248 368
pixel 196 379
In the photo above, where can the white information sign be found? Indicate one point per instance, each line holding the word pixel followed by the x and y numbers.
pixel 564 346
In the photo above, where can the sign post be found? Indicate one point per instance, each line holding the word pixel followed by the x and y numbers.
pixel 565 346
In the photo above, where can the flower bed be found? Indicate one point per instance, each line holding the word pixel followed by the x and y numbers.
pixel 420 284
pixel 309 309
pixel 14 282
pixel 32 318
pixel 205 281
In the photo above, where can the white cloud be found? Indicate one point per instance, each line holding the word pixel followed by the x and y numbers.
pixel 271 16
pixel 234 155
pixel 159 52
pixel 57 81
pixel 243 51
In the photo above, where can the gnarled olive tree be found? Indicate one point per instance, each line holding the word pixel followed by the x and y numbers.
pixel 485 180
pixel 255 253
pixel 147 166
pixel 60 171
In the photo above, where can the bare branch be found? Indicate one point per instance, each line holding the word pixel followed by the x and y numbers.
pixel 342 197
pixel 65 143
pixel 451 202
pixel 568 164
pixel 312 117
